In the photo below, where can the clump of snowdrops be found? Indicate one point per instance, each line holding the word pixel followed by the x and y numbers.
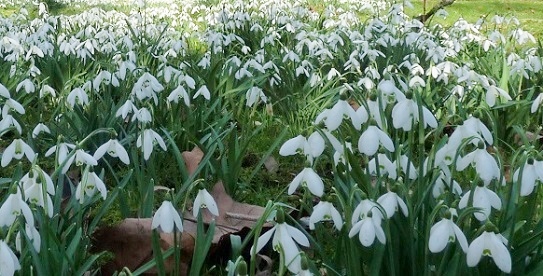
pixel 419 147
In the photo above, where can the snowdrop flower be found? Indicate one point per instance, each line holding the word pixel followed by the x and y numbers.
pixel 8 260
pixel 416 81
pixel 14 206
pixel 484 199
pixel 493 92
pixel 532 172
pixel 104 77
pixel 37 175
pixel 39 129
pixel 125 109
pixel 12 105
pixel 146 141
pixel 385 166
pixel 359 117
pixel 389 92
pixel 80 157
pixel 537 102
pixel 407 166
pixel 340 155
pixel 390 202
pixel 485 165
pixel 4 92
pixel 179 93
pixel 204 200
pixel 17 149
pixel 147 86
pixel 143 115
pixel 168 71
pixel 284 241
pixel 458 90
pixel 7 122
pixel 253 94
pixel 491 244
pixel 42 11
pixel 27 85
pixel 204 92
pixel 90 183
pixel 167 217
pixel 311 147
pixel 367 223
pixel 77 94
pixel 62 150
pixel 114 149
pixel 339 111
pixel 446 231
pixel 188 80
pixel 324 210
pixel 310 179
pixel 374 110
pixel 406 112
pixel 471 128
pixel 34 237
pixel 332 74
pixel 522 36
pixel 443 182
pixel 371 138
pixel 35 195
pixel 446 154
pixel 47 90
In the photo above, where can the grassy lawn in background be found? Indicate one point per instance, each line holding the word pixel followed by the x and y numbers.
pixel 529 12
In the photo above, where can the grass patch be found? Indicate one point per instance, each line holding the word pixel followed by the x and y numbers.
pixel 528 12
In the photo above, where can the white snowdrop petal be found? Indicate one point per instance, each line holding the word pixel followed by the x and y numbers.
pixel 367 233
pixel 297 235
pixel 475 251
pixel 291 146
pixel 438 237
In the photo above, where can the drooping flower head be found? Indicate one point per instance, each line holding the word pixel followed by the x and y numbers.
pixel 312 147
pixel 324 211
pixel 483 198
pixel 367 218
pixel 492 244
pixel 310 179
pixel 13 207
pixel 8 260
pixel 444 232
pixel 204 200
pixel 167 217
pixel 285 238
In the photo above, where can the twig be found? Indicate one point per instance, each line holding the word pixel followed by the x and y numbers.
pixel 444 3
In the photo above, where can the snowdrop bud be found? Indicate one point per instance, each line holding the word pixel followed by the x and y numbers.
pixel 280 216
pixel 387 76
pixel 448 214
pixel 343 95
pixel 304 262
pixel 490 227
pixel 241 269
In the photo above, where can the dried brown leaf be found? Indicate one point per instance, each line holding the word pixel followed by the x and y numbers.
pixel 131 243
